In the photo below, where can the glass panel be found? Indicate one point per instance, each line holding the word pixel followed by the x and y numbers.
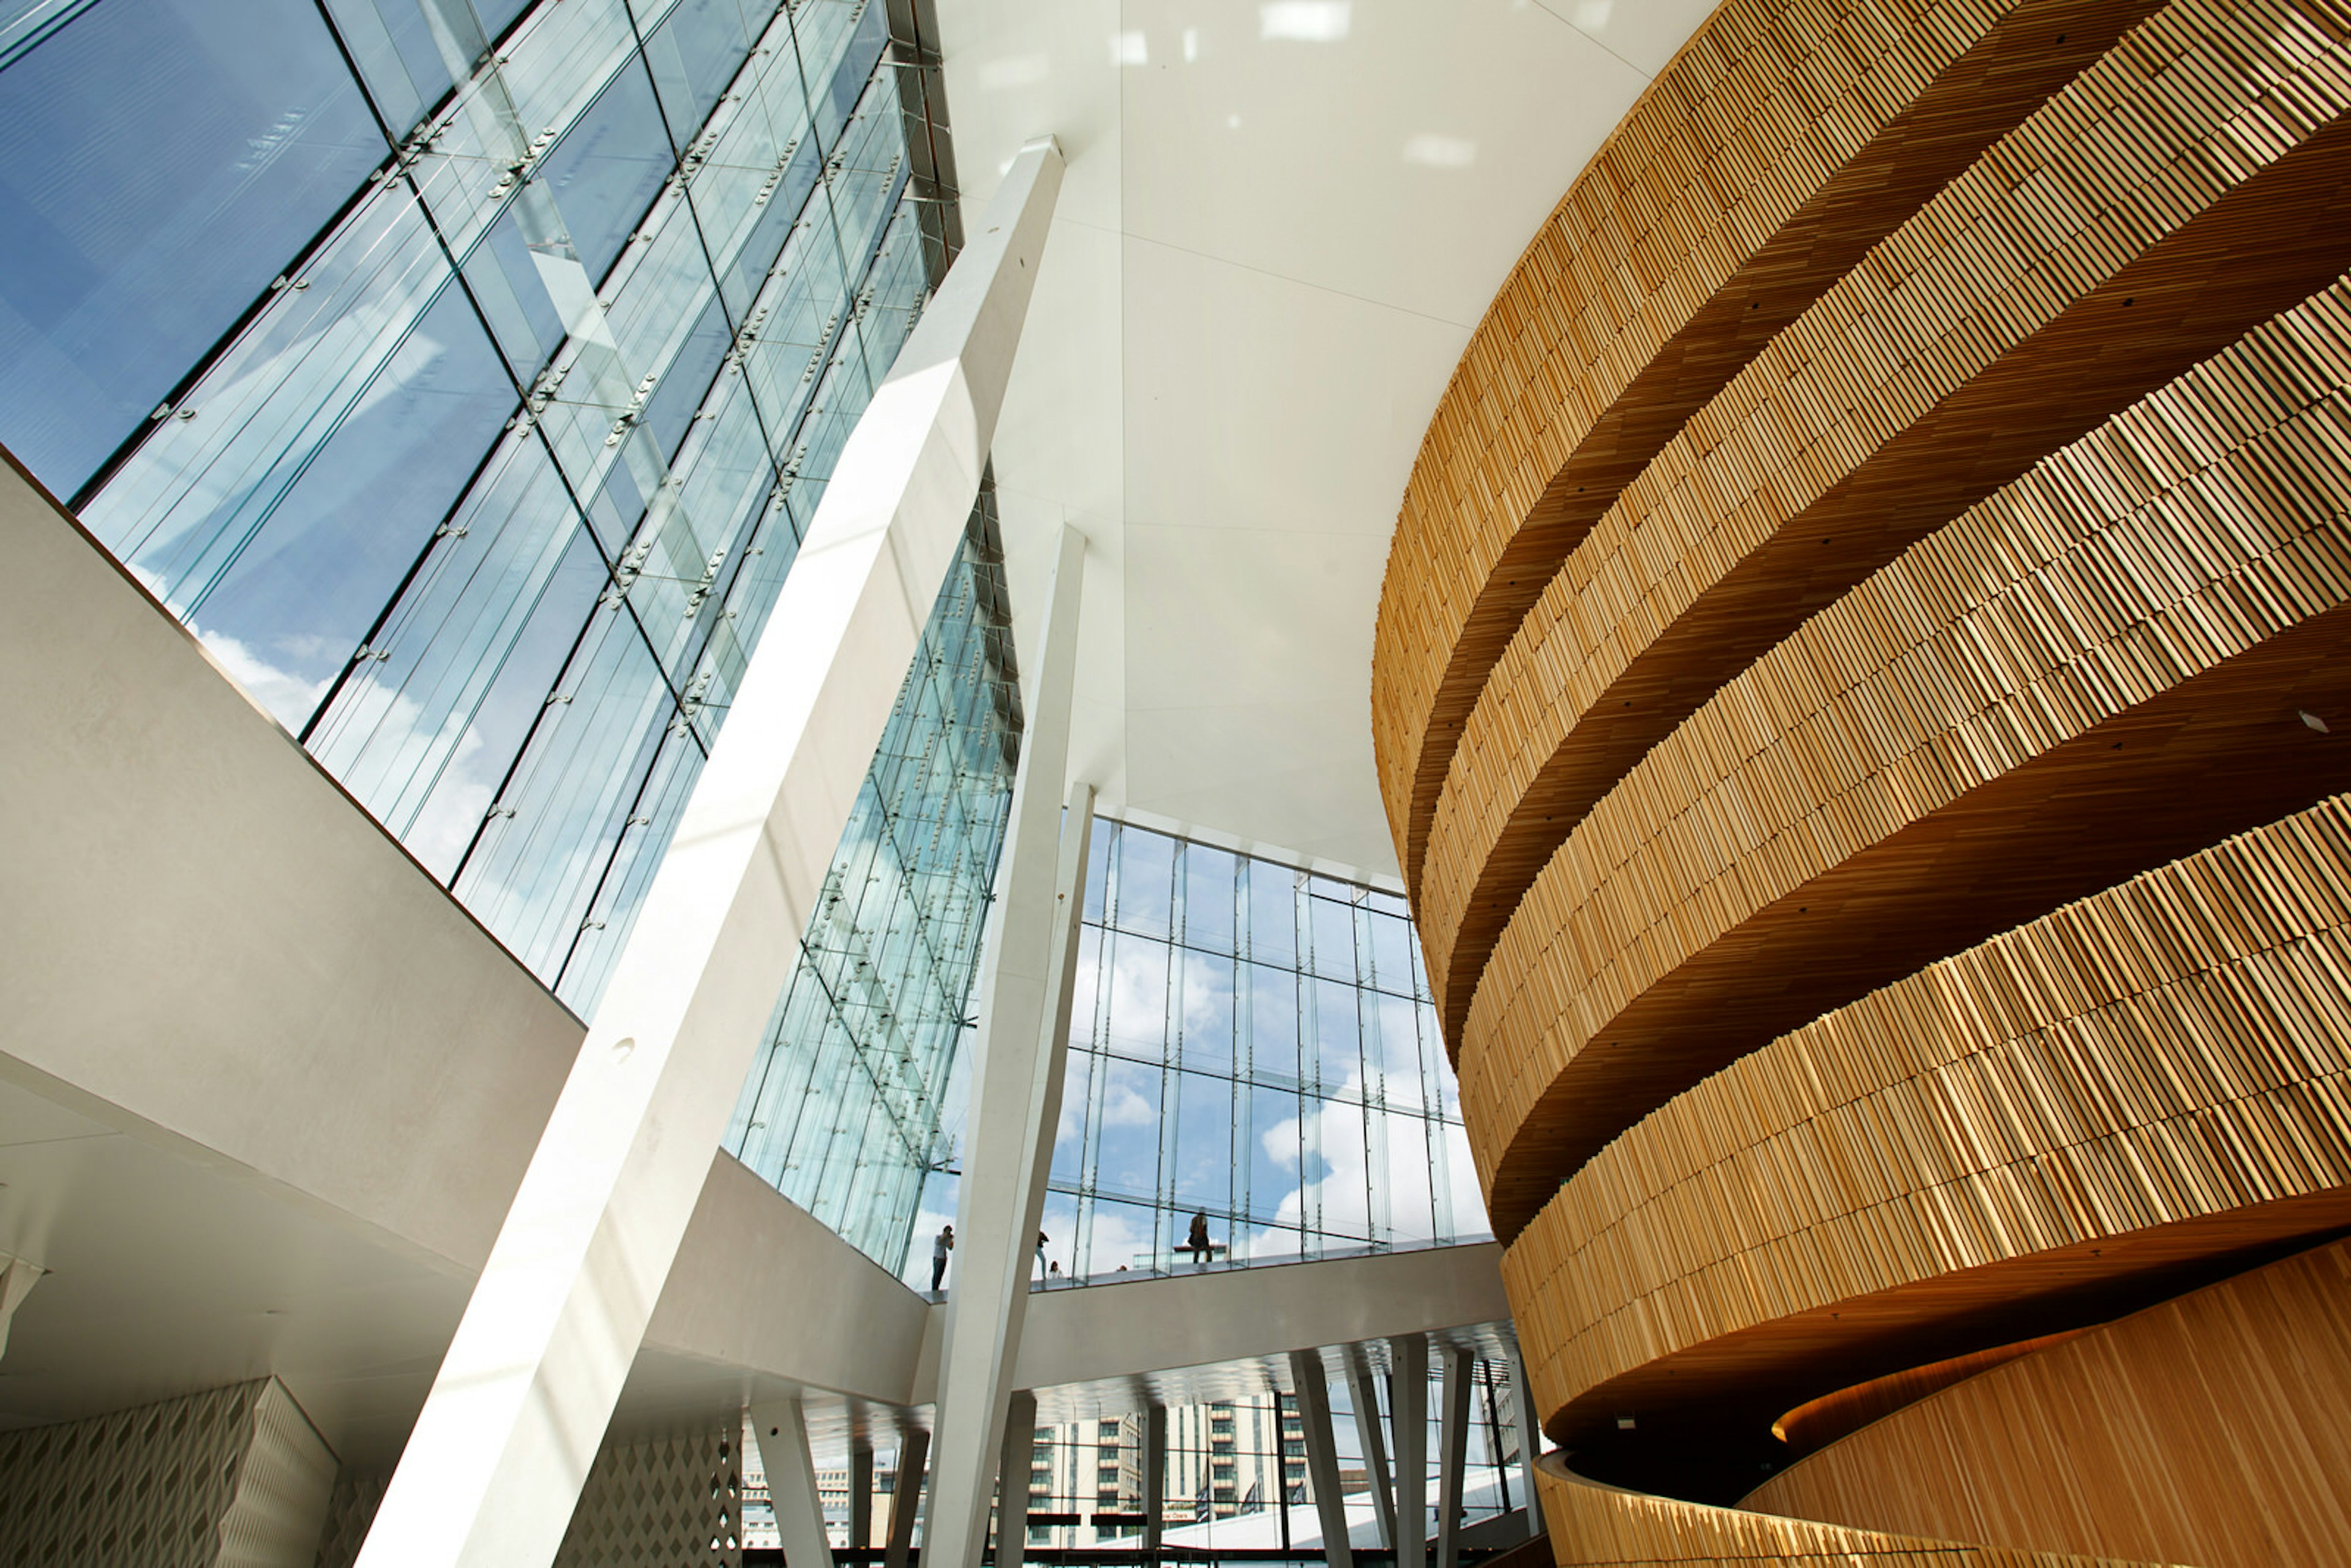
pixel 1146 866
pixel 845 1108
pixel 606 173
pixel 289 605
pixel 1209 878
pixel 159 165
pixel 1285 1099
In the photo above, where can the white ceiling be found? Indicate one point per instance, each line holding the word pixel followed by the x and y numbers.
pixel 1280 223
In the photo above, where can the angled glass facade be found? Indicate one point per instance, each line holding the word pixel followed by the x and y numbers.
pixel 464 375
pixel 842 1110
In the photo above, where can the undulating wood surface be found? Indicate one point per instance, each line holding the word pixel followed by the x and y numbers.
pixel 1862 697
pixel 2189 185
pixel 2160 1071
pixel 1594 1524
pixel 2095 670
pixel 2213 1429
pixel 1817 1423
pixel 1766 160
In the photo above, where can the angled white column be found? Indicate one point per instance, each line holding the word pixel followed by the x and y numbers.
pixel 1363 1392
pixel 1452 1454
pixel 494 1466
pixel 906 1496
pixel 1029 970
pixel 1015 1491
pixel 1321 1455
pixel 780 1429
pixel 1408 1402
pixel 1522 1409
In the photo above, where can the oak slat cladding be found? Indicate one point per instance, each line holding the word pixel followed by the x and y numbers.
pixel 1594 1524
pixel 2094 670
pixel 2214 1429
pixel 2158 1073
pixel 2200 170
pixel 1771 153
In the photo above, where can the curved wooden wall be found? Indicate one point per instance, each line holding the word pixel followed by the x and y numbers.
pixel 1976 339
pixel 2156 1074
pixel 1594 1524
pixel 2213 1429
pixel 2089 629
pixel 1781 144
pixel 1890 532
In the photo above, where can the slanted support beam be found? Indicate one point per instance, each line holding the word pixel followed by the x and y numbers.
pixel 780 1429
pixel 494 1465
pixel 1029 972
pixel 1523 1411
pixel 1452 1454
pixel 1363 1392
pixel 1154 1475
pixel 1013 1483
pixel 1321 1455
pixel 1408 1400
pixel 905 1496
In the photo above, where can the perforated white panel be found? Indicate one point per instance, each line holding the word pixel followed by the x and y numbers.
pixel 149 1486
pixel 281 1490
pixel 662 1501
pixel 675 1499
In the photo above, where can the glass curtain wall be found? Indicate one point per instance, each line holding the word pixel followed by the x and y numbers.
pixel 841 1111
pixel 1257 1045
pixel 464 375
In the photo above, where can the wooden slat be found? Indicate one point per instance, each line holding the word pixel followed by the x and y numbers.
pixel 2188 186
pixel 2154 1076
pixel 2214 1429
pixel 1784 141
pixel 2095 671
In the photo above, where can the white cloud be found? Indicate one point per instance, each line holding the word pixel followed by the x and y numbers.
pixel 1339 1196
pixel 289 697
pixel 1123 1108
pixel 1305 21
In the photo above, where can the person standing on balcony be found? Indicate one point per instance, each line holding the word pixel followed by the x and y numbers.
pixel 940 1248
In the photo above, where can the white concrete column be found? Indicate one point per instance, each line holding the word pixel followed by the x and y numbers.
pixel 1013 1490
pixel 1452 1454
pixel 1322 1456
pixel 1409 1404
pixel 906 1496
pixel 1029 970
pixel 1155 1475
pixel 1362 1391
pixel 494 1466
pixel 1522 1409
pixel 780 1429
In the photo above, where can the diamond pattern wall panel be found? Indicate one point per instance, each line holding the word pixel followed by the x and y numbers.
pixel 149 1486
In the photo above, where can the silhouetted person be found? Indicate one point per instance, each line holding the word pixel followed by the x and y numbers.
pixel 939 1250
pixel 1198 1243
